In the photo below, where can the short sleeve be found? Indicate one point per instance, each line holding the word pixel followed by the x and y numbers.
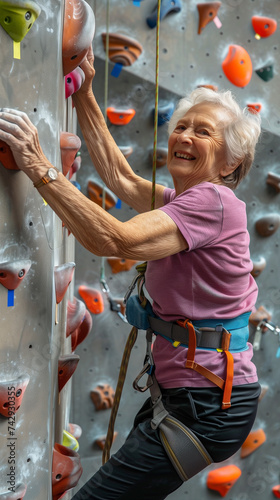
pixel 197 212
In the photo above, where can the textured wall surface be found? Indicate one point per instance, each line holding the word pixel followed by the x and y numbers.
pixel 30 341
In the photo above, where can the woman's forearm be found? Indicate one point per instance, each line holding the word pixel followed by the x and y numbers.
pixel 107 158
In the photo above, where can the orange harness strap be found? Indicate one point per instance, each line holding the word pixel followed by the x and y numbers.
pixel 225 385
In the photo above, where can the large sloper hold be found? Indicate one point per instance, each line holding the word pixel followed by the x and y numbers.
pixel 17 17
pixel 78 33
pixel 122 49
pixel 237 66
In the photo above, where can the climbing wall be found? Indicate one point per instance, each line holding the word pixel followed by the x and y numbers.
pixel 187 59
pixel 38 310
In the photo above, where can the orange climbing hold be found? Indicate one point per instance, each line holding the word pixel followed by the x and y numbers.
pixel 264 26
pixel 66 470
pixel 78 33
pixel 63 276
pixel 118 265
pixel 69 147
pixel 100 441
pixel 14 389
pixel 237 66
pixel 209 86
pixel 126 150
pixel 223 479
pixel 256 106
pixel 207 13
pixel 253 442
pixel 276 491
pixel 93 299
pixel 258 267
pixel 66 366
pixel 122 49
pixel 120 116
pixel 102 396
pixel 12 273
pixel 95 192
pixel 6 157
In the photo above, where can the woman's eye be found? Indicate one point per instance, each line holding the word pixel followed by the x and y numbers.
pixel 203 131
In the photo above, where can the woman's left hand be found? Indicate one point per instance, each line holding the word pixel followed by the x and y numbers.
pixel 21 135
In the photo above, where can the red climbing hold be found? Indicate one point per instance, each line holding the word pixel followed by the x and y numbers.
pixel 63 276
pixel 15 389
pixel 223 479
pixel 276 491
pixel 207 13
pixel 92 298
pixel 82 331
pixel 237 66
pixel 264 26
pixel 6 157
pixel 12 273
pixel 75 314
pixel 66 470
pixel 78 33
pixel 100 441
pixel 66 366
pixel 253 441
pixel 256 106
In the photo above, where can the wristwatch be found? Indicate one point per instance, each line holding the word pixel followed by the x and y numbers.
pixel 50 176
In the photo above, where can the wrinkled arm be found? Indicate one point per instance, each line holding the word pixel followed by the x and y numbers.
pixel 148 236
pixel 108 160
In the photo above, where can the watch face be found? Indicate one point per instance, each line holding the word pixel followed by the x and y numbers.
pixel 52 173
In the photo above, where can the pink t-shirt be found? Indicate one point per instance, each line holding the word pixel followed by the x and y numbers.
pixel 209 280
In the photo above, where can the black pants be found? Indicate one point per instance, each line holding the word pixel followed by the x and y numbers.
pixel 141 469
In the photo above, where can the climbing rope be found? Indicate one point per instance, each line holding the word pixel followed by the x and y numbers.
pixel 141 268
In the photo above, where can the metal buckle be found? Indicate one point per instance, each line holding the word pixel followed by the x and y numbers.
pixel 146 369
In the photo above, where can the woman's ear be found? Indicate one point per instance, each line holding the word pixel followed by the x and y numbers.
pixel 228 169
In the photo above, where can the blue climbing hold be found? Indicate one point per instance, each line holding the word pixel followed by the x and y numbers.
pixel 167 6
pixel 164 113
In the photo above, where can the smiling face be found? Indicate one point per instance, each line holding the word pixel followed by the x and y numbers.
pixel 196 147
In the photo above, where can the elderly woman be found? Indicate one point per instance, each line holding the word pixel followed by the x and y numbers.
pixel 198 275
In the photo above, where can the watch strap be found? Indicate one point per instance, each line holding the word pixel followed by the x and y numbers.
pixel 45 180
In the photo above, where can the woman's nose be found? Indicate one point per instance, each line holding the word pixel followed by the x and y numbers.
pixel 185 136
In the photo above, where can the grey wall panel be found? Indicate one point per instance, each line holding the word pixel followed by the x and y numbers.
pixel 30 341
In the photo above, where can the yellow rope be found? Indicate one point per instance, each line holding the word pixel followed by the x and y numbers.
pixel 141 268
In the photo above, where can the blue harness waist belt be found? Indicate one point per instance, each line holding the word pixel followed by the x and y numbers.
pixel 210 333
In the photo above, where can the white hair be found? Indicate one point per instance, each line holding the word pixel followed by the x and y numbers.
pixel 241 133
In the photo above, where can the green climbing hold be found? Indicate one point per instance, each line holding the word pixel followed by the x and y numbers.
pixel 266 72
pixel 17 17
